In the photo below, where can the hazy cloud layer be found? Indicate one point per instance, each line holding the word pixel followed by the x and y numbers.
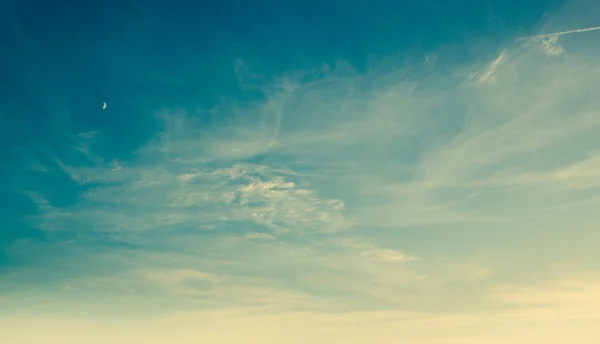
pixel 452 199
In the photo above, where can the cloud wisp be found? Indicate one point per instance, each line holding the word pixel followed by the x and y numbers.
pixel 549 41
pixel 595 28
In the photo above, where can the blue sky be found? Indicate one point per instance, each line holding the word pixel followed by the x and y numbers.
pixel 383 172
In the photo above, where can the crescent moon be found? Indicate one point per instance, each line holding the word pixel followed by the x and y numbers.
pixel 103 106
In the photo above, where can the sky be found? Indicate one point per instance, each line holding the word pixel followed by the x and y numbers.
pixel 418 172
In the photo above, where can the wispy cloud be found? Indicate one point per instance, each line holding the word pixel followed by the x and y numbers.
pixel 343 152
pixel 489 74
pixel 164 195
pixel 396 196
pixel 549 41
pixel 387 255
pixel 554 34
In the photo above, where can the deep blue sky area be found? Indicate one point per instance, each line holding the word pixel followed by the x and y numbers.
pixel 59 56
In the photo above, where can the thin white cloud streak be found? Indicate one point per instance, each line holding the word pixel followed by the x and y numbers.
pixel 556 34
pixel 387 255
pixel 489 74
pixel 549 42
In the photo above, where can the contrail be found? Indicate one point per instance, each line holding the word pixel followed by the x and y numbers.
pixel 556 34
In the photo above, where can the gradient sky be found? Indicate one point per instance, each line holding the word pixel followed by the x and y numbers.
pixel 423 172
